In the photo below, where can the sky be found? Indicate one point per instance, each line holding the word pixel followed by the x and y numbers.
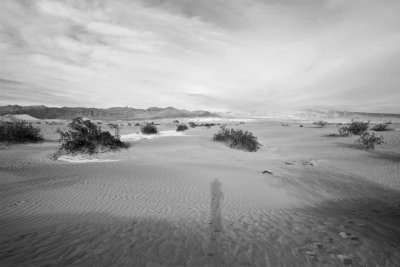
pixel 217 55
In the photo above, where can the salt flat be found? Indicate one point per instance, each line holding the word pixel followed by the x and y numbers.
pixel 188 201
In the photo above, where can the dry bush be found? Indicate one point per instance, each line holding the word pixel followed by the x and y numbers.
pixel 149 128
pixel 237 138
pixel 380 127
pixel 320 124
pixel 369 141
pixel 181 127
pixel 84 136
pixel 358 127
pixel 19 131
pixel 344 131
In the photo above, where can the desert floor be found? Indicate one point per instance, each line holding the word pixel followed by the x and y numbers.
pixel 188 201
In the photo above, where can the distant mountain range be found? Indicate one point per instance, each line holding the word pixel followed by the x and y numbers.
pixel 115 113
pixel 310 115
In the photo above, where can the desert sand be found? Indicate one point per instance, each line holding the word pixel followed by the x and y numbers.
pixel 184 200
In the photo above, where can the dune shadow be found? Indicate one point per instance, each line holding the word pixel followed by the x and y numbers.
pixel 350 145
pixel 389 156
pixel 99 239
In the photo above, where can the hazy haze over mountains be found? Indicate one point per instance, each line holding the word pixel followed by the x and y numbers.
pixel 215 55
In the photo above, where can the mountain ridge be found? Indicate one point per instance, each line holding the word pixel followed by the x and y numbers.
pixel 44 112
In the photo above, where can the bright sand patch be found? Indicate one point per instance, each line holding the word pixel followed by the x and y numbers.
pixel 190 201
pixel 138 136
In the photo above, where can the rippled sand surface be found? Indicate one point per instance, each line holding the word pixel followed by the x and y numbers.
pixel 188 201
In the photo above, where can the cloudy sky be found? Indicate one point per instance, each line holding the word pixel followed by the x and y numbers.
pixel 240 55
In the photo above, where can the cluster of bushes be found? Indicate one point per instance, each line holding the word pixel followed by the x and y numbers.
pixel 84 136
pixel 237 138
pixel 320 124
pixel 181 127
pixel 366 140
pixel 148 128
pixel 19 131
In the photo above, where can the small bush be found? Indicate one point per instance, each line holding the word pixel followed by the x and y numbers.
pixel 192 124
pixel 85 136
pixel 149 128
pixel 19 131
pixel 344 131
pixel 181 127
pixel 380 127
pixel 320 124
pixel 237 138
pixel 301 125
pixel 137 124
pixel 358 127
pixel 175 121
pixel 369 141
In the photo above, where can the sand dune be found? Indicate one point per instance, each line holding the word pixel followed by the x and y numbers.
pixel 188 201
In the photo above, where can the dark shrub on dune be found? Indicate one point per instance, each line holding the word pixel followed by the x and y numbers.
pixel 192 124
pixel 237 138
pixel 137 124
pixel 369 141
pixel 84 136
pixel 320 124
pixel 344 131
pixel 380 127
pixel 181 127
pixel 19 131
pixel 358 127
pixel 149 128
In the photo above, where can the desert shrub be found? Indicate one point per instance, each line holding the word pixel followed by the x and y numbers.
pixel 84 136
pixel 301 125
pixel 129 124
pixel 99 122
pixel 369 141
pixel 175 121
pixel 181 127
pixel 137 124
pixel 149 128
pixel 192 124
pixel 344 131
pixel 237 138
pixel 19 131
pixel 38 122
pixel 358 127
pixel 380 127
pixel 320 124
pixel 208 125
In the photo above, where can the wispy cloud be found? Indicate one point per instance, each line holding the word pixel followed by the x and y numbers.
pixel 213 54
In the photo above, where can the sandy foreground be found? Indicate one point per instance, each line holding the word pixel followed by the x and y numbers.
pixel 184 200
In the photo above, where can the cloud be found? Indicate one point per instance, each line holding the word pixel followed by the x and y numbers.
pixel 214 54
